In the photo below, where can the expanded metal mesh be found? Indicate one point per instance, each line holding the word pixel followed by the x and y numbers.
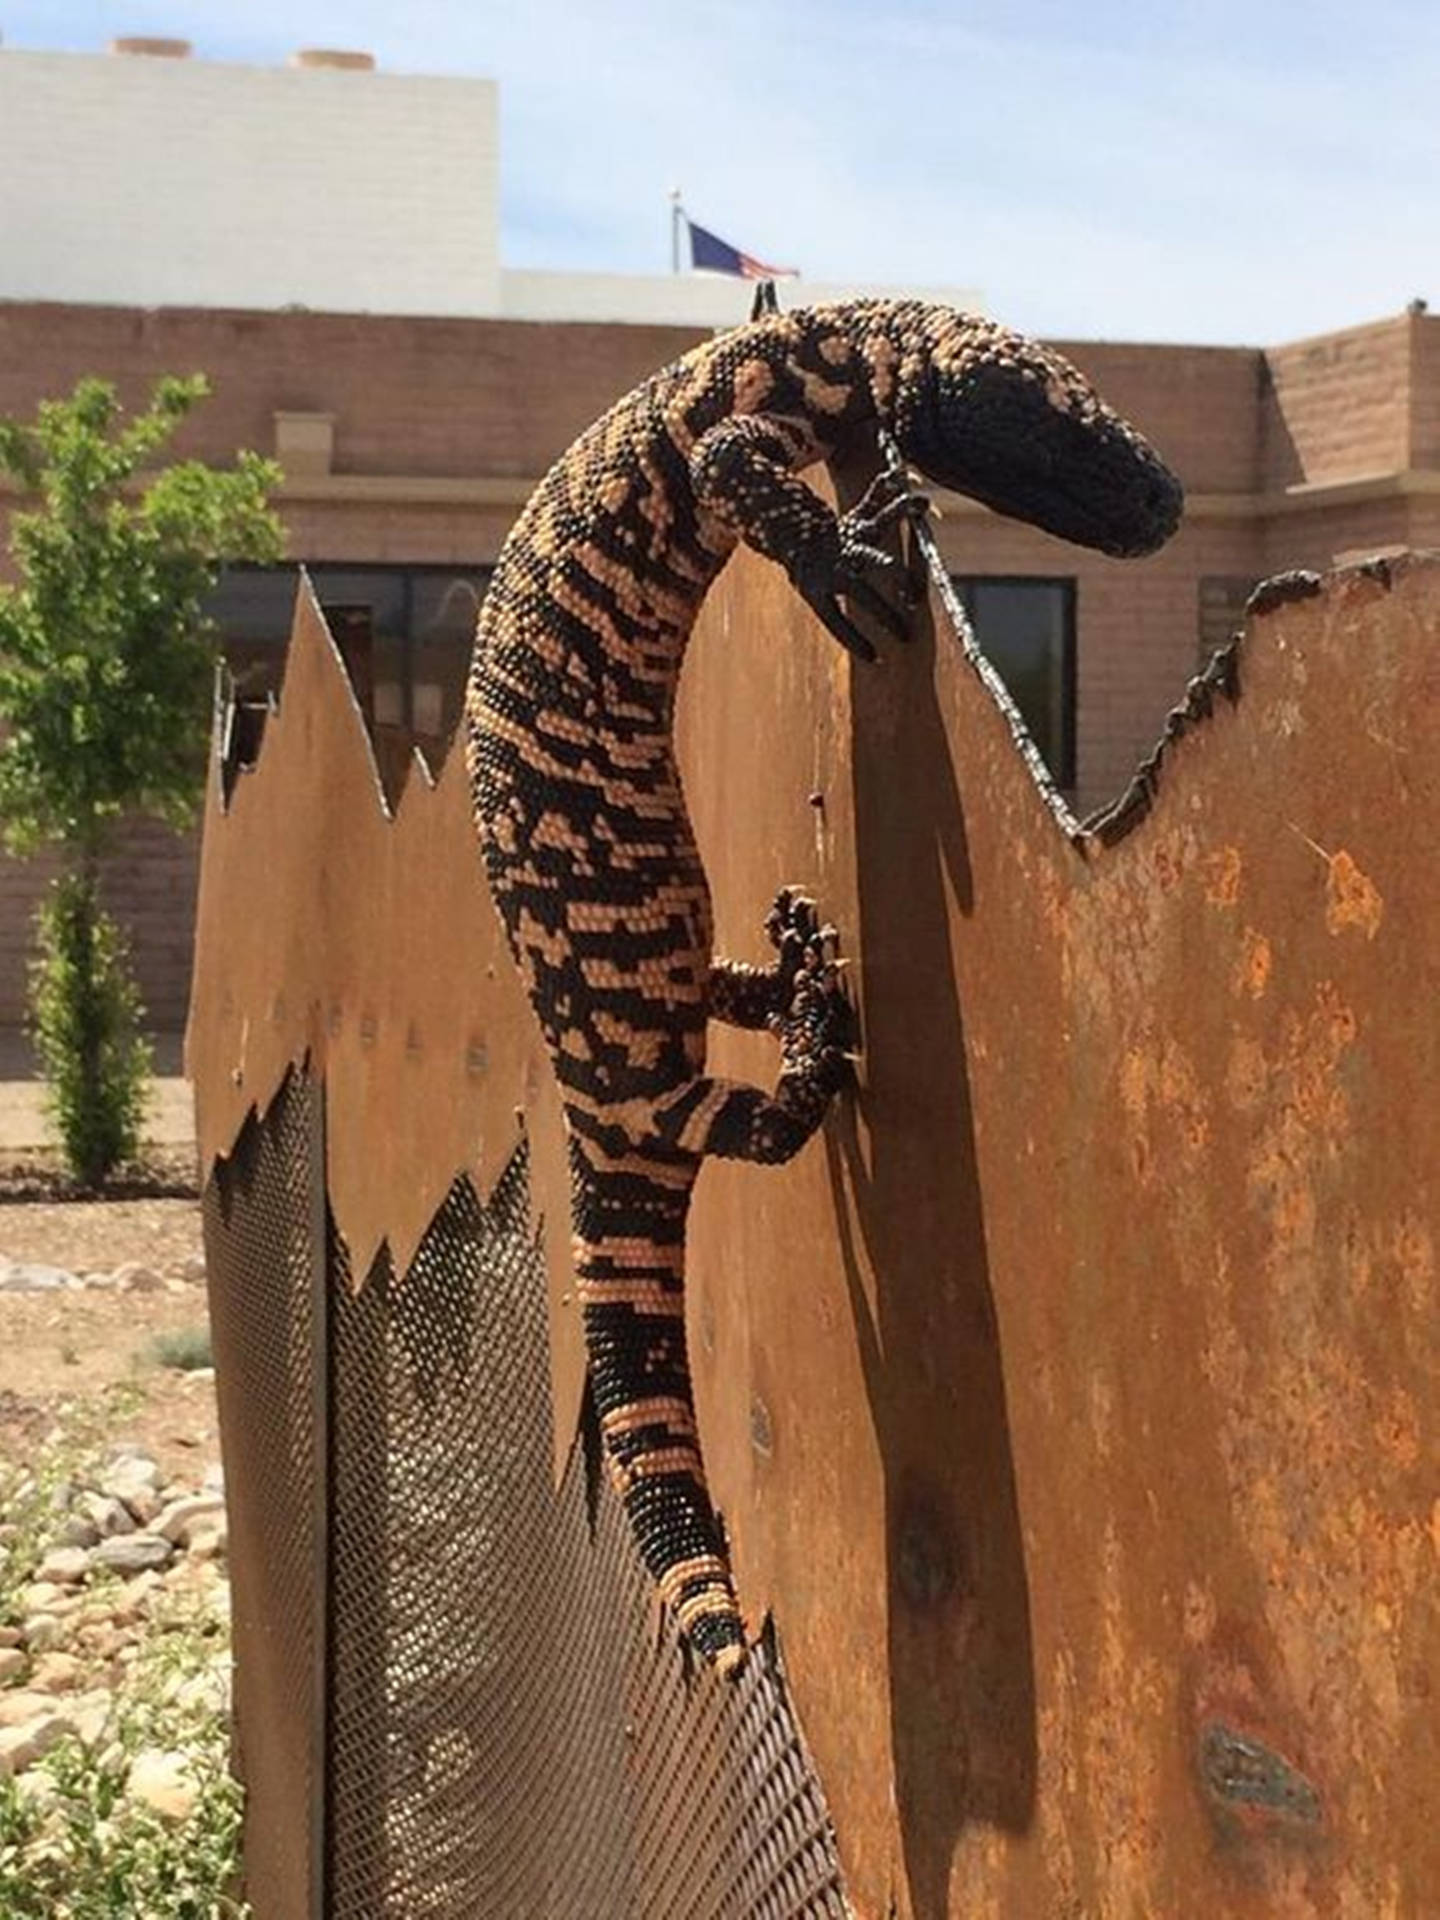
pixel 510 1734
pixel 454 1694
pixel 264 1255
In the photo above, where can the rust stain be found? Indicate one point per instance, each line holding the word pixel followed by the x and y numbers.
pixel 1252 970
pixel 1352 901
pixel 1222 870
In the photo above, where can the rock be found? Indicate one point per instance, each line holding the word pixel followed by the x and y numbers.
pixel 164 1782
pixel 19 1704
pixel 39 1596
pixel 133 1598
pixel 65 1566
pixel 135 1480
pixel 11 1637
pixel 133 1277
pixel 56 1673
pixel 209 1542
pixel 77 1530
pixel 22 1746
pixel 207 1691
pixel 131 1552
pixel 12 1664
pixel 178 1520
pixel 43 1631
pixel 91 1714
pixel 192 1269
pixel 214 1481
pixel 32 1276
pixel 107 1514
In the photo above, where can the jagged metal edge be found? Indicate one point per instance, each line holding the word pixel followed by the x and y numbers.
pixel 924 536
pixel 1220 676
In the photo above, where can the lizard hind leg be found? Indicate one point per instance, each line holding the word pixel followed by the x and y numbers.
pixel 802 999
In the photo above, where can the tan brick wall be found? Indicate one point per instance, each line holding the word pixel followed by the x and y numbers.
pixel 439 398
pixel 149 884
pixel 1338 406
pixel 1425 390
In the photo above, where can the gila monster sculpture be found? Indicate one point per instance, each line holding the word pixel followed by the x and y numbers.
pixel 582 822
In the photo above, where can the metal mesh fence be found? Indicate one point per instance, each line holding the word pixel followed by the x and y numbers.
pixel 509 1731
pixel 264 1248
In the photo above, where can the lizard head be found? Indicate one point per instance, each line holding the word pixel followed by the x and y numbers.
pixel 1012 424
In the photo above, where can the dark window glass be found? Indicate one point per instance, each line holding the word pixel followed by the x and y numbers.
pixel 405 633
pixel 1026 628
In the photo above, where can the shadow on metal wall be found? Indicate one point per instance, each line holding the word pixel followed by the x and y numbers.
pixel 1071 1405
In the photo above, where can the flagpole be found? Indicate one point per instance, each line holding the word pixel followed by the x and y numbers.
pixel 675 229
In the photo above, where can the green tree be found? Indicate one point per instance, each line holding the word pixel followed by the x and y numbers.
pixel 106 663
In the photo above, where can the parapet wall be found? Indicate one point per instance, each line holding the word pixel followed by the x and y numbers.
pixel 1071 1403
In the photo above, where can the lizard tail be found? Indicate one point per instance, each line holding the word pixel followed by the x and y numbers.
pixel 629 1262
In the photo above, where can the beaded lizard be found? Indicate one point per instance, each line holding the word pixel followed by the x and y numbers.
pixel 582 822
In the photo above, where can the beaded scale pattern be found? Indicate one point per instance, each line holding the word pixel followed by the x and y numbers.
pixel 583 826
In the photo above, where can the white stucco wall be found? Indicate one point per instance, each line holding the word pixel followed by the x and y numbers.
pixel 133 180
pixel 681 299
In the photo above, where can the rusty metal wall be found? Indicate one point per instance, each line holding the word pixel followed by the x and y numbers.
pixel 1072 1403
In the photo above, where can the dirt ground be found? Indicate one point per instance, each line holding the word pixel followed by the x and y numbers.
pixel 67 1346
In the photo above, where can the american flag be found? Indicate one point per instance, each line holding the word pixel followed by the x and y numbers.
pixel 714 255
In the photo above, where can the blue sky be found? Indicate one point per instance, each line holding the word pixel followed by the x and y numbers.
pixel 1212 171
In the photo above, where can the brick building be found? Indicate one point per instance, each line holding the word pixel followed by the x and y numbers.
pixel 410 442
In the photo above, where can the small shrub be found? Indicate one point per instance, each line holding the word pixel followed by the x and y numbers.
pixel 184 1348
pixel 86 1017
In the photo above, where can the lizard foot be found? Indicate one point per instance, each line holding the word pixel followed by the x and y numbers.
pixel 815 1020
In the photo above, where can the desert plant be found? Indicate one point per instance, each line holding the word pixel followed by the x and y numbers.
pixel 85 1022
pixel 106 662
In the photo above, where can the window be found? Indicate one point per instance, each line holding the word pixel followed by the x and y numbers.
pixel 1026 628
pixel 405 634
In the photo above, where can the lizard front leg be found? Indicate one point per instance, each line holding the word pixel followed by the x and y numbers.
pixel 745 471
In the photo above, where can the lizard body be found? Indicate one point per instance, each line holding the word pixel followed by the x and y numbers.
pixel 582 822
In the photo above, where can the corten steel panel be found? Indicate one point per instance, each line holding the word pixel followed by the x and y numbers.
pixel 336 930
pixel 1071 1402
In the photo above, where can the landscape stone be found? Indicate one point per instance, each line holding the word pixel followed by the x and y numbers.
pixel 163 1780
pixel 209 1542
pixel 107 1514
pixel 177 1521
pixel 77 1529
pixel 91 1714
pixel 134 1597
pixel 65 1565
pixel 22 1746
pixel 43 1631
pixel 19 1704
pixel 11 1637
pixel 132 1276
pixel 12 1663
pixel 32 1276
pixel 131 1552
pixel 39 1596
pixel 56 1673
